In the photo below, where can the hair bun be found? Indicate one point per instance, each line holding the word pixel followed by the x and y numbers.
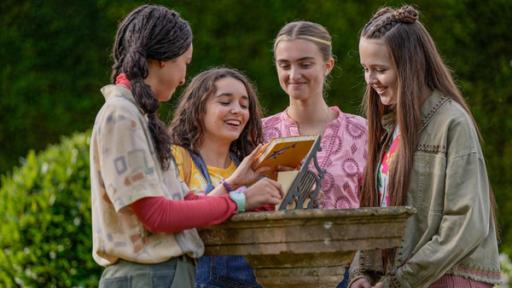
pixel 406 14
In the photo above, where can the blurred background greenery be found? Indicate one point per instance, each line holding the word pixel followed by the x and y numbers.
pixel 55 55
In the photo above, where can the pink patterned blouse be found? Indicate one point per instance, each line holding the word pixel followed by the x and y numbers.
pixel 343 156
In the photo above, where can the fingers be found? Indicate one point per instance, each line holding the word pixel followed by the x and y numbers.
pixel 285 168
pixel 263 170
pixel 275 187
pixel 254 152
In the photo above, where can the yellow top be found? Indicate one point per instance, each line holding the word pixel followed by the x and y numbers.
pixel 195 180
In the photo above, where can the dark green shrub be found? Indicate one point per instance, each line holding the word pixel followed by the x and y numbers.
pixel 45 231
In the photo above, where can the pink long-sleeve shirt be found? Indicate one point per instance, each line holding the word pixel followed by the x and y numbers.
pixel 342 156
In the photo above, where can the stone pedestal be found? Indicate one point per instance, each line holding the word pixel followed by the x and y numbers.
pixel 305 248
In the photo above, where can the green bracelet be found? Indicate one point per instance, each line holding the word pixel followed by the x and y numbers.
pixel 238 196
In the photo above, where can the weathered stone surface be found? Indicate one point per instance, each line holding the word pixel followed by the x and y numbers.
pixel 305 248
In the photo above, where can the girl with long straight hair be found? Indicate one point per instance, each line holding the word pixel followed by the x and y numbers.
pixel 423 151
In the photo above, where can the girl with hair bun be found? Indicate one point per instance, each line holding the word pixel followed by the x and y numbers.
pixel 144 219
pixel 423 151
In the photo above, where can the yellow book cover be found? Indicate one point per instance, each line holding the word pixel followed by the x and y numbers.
pixel 285 151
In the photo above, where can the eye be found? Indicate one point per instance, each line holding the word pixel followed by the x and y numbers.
pixel 224 103
pixel 365 70
pixel 284 66
pixel 306 65
pixel 380 70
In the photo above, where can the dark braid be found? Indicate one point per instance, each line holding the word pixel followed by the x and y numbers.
pixel 149 32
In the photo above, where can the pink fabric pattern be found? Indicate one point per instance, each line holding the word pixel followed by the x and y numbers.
pixel 343 155
pixel 451 281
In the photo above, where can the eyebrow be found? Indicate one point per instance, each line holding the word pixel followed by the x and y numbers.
pixel 229 94
pixel 300 59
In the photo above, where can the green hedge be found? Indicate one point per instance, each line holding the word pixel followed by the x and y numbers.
pixel 45 230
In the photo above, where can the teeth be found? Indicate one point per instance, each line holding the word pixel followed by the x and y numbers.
pixel 379 90
pixel 233 122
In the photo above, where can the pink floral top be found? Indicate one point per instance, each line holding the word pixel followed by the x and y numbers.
pixel 343 155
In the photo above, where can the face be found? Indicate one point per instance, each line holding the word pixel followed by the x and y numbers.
pixel 227 111
pixel 165 76
pixel 301 68
pixel 379 71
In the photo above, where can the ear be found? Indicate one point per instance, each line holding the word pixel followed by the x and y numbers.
pixel 329 64
pixel 156 63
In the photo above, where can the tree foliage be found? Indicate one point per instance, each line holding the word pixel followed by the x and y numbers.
pixel 45 236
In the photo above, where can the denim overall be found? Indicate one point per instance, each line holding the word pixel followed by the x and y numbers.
pixel 221 271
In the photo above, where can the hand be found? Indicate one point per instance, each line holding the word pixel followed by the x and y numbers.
pixel 244 174
pixel 378 285
pixel 361 283
pixel 265 191
pixel 319 199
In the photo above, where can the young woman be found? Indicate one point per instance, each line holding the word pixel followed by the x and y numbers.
pixel 423 151
pixel 217 123
pixel 303 58
pixel 143 218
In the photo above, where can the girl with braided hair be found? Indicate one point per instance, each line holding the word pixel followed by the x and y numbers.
pixel 423 151
pixel 143 217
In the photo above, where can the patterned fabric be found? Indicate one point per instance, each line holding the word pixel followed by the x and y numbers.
pixel 451 281
pixel 124 169
pixel 343 155
pixel 383 171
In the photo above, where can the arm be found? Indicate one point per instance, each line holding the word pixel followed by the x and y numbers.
pixel 159 214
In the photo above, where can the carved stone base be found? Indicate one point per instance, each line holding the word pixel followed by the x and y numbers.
pixel 305 248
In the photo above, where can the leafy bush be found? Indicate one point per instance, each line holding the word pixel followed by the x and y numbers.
pixel 45 235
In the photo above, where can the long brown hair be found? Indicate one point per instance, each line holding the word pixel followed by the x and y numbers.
pixel 149 32
pixel 187 126
pixel 419 68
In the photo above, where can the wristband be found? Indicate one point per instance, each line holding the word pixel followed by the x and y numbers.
pixel 238 196
pixel 226 185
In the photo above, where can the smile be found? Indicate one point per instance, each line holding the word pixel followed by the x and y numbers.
pixel 379 90
pixel 233 122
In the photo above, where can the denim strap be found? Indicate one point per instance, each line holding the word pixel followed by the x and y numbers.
pixel 201 165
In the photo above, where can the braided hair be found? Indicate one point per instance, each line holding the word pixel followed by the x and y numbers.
pixel 149 32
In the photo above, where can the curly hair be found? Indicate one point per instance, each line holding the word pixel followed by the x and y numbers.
pixel 150 32
pixel 187 127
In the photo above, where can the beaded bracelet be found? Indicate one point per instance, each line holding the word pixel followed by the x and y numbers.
pixel 226 185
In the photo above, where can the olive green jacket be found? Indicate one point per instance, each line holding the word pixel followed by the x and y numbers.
pixel 453 231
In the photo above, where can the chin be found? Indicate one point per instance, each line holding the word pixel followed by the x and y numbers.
pixel 386 101
pixel 298 96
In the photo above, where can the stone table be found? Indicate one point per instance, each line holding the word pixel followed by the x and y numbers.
pixel 305 248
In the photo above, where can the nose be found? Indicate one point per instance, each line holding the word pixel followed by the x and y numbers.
pixel 371 78
pixel 294 73
pixel 235 109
